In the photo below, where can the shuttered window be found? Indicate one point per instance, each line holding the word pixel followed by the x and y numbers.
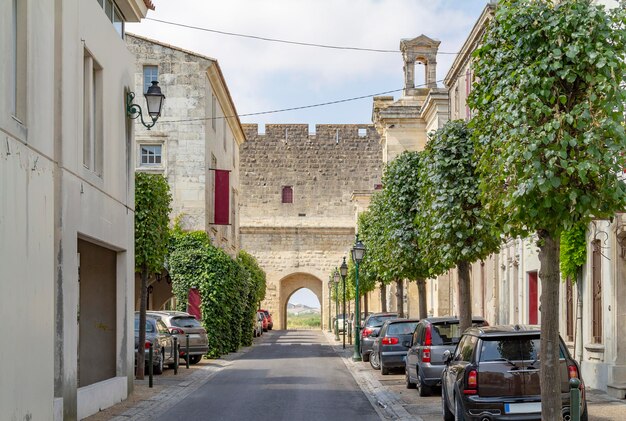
pixel 596 318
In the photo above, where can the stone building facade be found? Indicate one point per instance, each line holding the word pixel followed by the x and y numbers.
pixel 198 132
pixel 298 212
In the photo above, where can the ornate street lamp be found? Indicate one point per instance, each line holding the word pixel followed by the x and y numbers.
pixel 154 101
pixel 343 270
pixel 336 279
pixel 330 288
pixel 358 251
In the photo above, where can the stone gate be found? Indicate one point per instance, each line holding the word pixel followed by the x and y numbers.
pixel 299 199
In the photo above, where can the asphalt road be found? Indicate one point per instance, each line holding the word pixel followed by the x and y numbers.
pixel 287 375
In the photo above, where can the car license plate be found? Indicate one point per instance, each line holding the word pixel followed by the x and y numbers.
pixel 522 408
pixel 194 336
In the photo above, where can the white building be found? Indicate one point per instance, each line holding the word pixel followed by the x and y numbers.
pixel 66 206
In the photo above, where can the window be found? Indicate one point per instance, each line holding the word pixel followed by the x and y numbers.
pixel 287 194
pixel 114 15
pixel 92 114
pixel 362 132
pixel 151 154
pixel 468 90
pixel 596 317
pixel 150 73
pixel 213 111
pixel 569 310
pixel 465 348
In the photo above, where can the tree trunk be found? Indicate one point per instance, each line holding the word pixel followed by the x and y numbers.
pixel 421 296
pixel 383 297
pixel 400 297
pixel 465 295
pixel 550 375
pixel 142 323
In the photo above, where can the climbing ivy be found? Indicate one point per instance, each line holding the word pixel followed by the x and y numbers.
pixel 573 251
pixel 229 289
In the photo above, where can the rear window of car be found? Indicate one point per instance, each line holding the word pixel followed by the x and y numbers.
pixel 377 321
pixel 448 333
pixel 512 349
pixel 401 328
pixel 185 322
pixel 149 326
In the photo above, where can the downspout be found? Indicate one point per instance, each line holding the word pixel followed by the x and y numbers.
pixel 578 343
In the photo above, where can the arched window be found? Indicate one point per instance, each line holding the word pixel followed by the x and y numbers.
pixel 287 194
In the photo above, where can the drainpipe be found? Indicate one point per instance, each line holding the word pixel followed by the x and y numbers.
pixel 578 340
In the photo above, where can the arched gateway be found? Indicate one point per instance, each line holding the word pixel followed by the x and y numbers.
pixel 300 237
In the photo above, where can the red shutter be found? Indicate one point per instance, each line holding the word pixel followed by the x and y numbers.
pixel 222 199
pixel 533 308
pixel 195 302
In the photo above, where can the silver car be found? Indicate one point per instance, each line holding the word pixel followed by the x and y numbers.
pixel 182 324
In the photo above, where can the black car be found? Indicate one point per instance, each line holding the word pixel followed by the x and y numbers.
pixel 389 349
pixel 372 325
pixel 494 374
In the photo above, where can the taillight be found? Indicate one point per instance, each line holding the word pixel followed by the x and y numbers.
pixel 428 337
pixel 426 355
pixel 366 332
pixel 177 331
pixel 148 343
pixel 471 385
pixel 390 340
pixel 572 370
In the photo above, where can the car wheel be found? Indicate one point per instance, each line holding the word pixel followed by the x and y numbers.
pixel 407 379
pixel 195 359
pixel 383 370
pixel 158 368
pixel 458 410
pixel 585 415
pixel 447 414
pixel 422 389
pixel 374 361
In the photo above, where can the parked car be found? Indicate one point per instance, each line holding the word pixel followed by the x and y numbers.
pixel 161 339
pixel 372 324
pixel 265 321
pixel 180 324
pixel 389 349
pixel 258 325
pixel 424 359
pixel 270 322
pixel 494 374
pixel 340 324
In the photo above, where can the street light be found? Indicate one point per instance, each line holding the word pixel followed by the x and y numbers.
pixel 343 269
pixel 154 101
pixel 357 255
pixel 336 279
pixel 330 288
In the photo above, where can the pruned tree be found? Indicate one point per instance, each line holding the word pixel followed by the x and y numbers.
pixel 455 230
pixel 152 208
pixel 549 111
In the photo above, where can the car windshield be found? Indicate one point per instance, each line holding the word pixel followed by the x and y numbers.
pixel 377 321
pixel 511 349
pixel 185 322
pixel 149 326
pixel 401 328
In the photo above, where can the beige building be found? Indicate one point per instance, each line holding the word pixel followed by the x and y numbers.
pixel 199 132
pixel 66 214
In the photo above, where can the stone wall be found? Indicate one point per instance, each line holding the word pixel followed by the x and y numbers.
pixel 298 244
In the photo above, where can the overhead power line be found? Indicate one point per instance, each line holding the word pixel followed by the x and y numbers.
pixel 283 41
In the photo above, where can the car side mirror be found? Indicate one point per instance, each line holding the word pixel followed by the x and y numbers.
pixel 447 356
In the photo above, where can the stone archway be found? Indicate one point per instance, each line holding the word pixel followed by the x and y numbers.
pixel 292 283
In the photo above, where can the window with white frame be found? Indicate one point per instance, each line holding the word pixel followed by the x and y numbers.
pixel 151 155
pixel 150 74
pixel 92 114
pixel 114 15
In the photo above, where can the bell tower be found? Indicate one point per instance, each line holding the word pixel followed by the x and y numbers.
pixel 419 50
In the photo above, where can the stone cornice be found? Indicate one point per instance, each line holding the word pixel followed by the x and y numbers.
pixel 297 230
pixel 216 78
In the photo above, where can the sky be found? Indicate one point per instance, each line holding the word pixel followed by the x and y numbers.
pixel 304 296
pixel 265 76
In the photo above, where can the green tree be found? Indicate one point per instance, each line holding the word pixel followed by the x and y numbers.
pixel 455 231
pixel 152 208
pixel 255 280
pixel 548 129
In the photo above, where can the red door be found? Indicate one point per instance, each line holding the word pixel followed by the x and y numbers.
pixel 533 306
pixel 195 301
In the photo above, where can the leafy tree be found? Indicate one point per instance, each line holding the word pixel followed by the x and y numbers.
pixel 455 231
pixel 549 135
pixel 152 208
pixel 573 251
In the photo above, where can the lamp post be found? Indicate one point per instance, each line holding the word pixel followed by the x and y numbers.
pixel 343 270
pixel 154 101
pixel 330 288
pixel 357 255
pixel 336 279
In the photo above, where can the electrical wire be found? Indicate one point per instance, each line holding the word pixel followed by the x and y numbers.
pixel 283 41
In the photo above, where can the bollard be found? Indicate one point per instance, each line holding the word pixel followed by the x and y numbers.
pixel 187 349
pixel 150 366
pixel 574 399
pixel 176 355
